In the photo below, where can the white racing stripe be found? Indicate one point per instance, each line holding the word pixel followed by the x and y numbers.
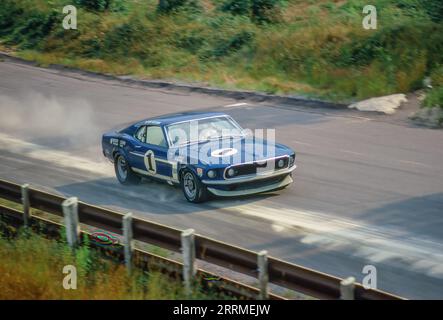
pixel 55 157
pixel 377 244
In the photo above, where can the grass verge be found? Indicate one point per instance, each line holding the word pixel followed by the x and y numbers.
pixel 32 268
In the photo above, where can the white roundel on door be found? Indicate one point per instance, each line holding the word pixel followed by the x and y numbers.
pixel 225 152
pixel 150 162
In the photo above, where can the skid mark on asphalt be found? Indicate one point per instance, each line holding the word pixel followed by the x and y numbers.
pixel 377 244
pixel 414 163
pixel 301 143
pixel 235 105
pixel 57 158
pixel 352 152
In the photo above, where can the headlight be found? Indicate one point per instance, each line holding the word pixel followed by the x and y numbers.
pixel 211 174
pixel 280 163
pixel 291 160
pixel 231 172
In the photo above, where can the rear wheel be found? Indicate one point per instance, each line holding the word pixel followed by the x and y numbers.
pixel 193 190
pixel 124 173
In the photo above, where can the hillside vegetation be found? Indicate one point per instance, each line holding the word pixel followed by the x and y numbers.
pixel 316 48
pixel 32 268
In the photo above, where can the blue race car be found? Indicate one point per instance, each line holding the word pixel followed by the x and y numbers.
pixel 202 152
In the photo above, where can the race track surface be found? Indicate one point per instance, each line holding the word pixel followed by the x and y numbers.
pixel 368 189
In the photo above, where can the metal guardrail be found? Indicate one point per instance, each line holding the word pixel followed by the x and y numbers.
pixel 141 259
pixel 285 274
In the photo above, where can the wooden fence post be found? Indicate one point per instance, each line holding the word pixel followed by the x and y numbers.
pixel 26 204
pixel 262 262
pixel 70 212
pixel 127 239
pixel 188 248
pixel 347 289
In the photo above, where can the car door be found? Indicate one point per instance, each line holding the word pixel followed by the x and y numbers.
pixel 150 155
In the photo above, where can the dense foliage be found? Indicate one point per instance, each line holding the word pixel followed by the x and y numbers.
pixel 286 46
pixel 32 268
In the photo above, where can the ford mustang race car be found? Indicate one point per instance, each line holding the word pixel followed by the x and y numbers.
pixel 202 152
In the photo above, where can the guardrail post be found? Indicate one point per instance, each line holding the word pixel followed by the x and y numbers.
pixel 188 247
pixel 127 239
pixel 262 263
pixel 26 203
pixel 347 289
pixel 70 212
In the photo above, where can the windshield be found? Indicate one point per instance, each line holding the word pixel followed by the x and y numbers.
pixel 202 130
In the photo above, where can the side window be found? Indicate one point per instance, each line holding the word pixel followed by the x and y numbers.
pixel 155 136
pixel 141 134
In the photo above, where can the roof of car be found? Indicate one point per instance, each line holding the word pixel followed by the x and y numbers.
pixel 184 116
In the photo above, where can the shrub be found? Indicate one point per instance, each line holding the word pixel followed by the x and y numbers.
pixel 434 98
pixel 234 32
pixel 265 10
pixel 34 28
pixel 118 6
pixel 98 5
pixel 437 76
pixel 261 11
pixel 240 7
pixel 434 9
pixel 121 39
pixel 167 6
pixel 9 14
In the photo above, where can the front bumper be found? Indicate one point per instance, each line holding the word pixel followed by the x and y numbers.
pixel 249 178
pixel 252 190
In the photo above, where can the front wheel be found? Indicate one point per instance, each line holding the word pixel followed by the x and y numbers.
pixel 193 189
pixel 124 173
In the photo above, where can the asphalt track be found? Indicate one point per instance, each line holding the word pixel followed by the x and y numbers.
pixel 368 188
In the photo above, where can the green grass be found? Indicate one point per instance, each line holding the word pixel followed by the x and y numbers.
pixel 32 268
pixel 315 48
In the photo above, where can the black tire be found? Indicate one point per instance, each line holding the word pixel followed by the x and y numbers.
pixel 123 172
pixel 193 190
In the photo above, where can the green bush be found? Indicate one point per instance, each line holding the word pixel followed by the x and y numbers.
pixel 126 39
pixel 167 6
pixel 261 11
pixel 437 76
pixel 434 9
pixel 234 33
pixel 34 28
pixel 9 14
pixel 265 10
pixel 98 5
pixel 240 7
pixel 118 6
pixel 434 98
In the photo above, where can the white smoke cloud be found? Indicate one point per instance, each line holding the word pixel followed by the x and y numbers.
pixel 49 120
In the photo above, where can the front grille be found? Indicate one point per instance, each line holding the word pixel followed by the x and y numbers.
pixel 251 184
pixel 257 167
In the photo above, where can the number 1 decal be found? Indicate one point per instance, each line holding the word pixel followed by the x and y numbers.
pixel 150 162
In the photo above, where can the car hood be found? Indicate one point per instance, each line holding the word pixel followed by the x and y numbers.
pixel 229 151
